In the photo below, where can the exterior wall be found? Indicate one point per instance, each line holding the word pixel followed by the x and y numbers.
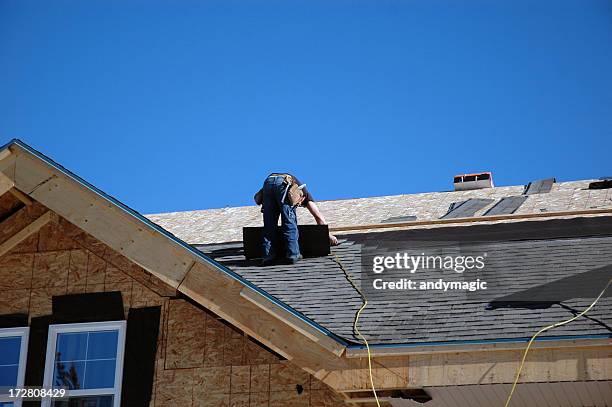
pixel 201 360
pixel 224 367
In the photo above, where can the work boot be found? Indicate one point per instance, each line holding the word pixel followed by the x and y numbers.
pixel 267 261
pixel 294 260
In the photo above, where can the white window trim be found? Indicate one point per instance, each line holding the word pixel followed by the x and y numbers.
pixel 23 332
pixel 54 330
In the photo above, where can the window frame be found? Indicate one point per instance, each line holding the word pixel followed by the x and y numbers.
pixel 24 333
pixel 54 330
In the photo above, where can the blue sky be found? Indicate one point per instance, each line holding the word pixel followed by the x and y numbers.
pixel 178 105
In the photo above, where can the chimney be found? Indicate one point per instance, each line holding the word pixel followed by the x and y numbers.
pixel 480 180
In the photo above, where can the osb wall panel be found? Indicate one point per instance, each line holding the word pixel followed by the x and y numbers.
pixel 224 367
pixel 201 360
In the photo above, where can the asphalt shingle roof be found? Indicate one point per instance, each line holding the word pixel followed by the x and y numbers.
pixel 521 257
pixel 545 256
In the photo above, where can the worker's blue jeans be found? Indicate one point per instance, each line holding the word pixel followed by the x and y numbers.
pixel 273 206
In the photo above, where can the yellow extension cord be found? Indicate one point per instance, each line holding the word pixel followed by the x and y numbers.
pixel 356 322
pixel 518 373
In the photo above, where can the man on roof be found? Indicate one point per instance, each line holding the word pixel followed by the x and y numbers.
pixel 281 194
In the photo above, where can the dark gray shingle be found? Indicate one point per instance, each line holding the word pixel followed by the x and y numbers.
pixel 317 287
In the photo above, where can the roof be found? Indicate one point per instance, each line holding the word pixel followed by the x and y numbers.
pixel 318 288
pixel 225 225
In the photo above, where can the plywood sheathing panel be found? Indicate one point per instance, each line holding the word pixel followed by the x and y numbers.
pixel 224 225
pixel 240 379
pixel 41 299
pixel 52 238
pixel 174 387
pixel 16 271
pixel 212 380
pixel 260 399
pixel 51 269
pixel 234 346
pixel 142 296
pixel 215 342
pixel 237 378
pixel 85 239
pixel 186 335
pixel 290 398
pixel 286 376
pixel 260 378
pixel 15 301
pixel 77 270
pixel 255 354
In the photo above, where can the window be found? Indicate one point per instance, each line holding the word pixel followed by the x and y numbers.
pixel 13 350
pixel 87 361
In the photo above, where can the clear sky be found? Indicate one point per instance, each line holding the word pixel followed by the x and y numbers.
pixel 179 105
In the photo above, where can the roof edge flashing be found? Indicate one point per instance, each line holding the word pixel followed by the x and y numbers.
pixel 352 350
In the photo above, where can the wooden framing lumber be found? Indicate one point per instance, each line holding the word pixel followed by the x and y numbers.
pixel 26 232
pixel 4 154
pixel 6 184
pixel 7 159
pixel 475 219
pixel 484 347
pixel 542 365
pixel 388 373
pixel 162 257
pixel 468 368
pixel 21 196
pixel 293 321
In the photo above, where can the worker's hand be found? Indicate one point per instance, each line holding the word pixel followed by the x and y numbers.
pixel 333 240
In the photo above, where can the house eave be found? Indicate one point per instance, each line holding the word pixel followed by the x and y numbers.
pixel 552 342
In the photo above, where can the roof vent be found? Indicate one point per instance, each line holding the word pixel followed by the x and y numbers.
pixel 480 180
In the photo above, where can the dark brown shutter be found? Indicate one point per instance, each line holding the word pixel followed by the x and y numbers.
pixel 139 356
pixel 37 352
